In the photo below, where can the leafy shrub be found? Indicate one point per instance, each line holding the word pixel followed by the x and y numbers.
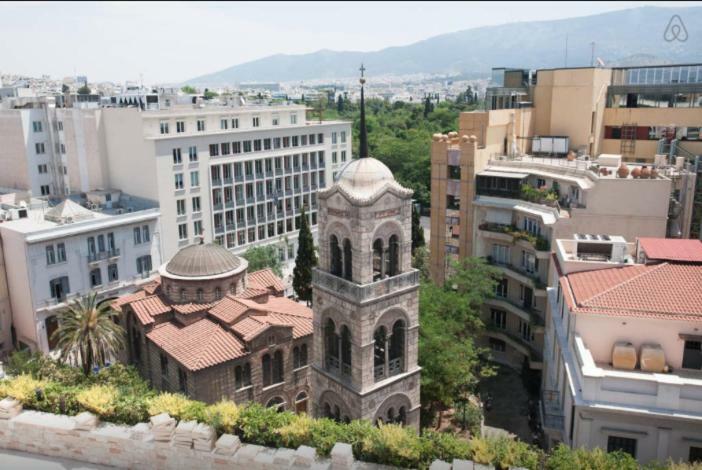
pixel 223 416
pixel 258 424
pixel 564 458
pixel 444 446
pixel 23 388
pixel 177 406
pixel 393 445
pixel 98 399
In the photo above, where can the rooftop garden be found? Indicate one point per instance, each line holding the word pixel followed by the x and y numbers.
pixel 118 394
pixel 539 242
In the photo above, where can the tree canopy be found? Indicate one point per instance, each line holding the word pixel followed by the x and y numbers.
pixel 189 89
pixel 262 257
pixel 449 321
pixel 84 90
pixel 305 260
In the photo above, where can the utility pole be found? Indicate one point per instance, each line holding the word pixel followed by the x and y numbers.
pixel 566 51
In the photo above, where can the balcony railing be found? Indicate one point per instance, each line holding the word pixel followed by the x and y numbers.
pixel 113 253
pixel 537 241
pixel 361 293
pixel 533 276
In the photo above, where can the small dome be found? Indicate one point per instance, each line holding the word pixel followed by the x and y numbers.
pixel 363 177
pixel 201 260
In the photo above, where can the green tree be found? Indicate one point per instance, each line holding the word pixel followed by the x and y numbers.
pixel 449 322
pixel 340 104
pixel 304 262
pixel 84 90
pixel 428 106
pixel 209 94
pixel 189 90
pixel 417 230
pixel 262 257
pixel 87 334
pixel 65 89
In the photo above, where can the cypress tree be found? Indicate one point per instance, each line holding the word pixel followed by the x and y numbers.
pixel 305 260
pixel 417 230
pixel 340 104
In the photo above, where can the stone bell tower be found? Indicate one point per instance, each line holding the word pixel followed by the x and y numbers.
pixel 365 302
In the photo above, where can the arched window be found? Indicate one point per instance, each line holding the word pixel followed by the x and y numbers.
pixel 337 413
pixel 377 259
pixel 232 288
pixel 402 416
pixel 276 402
pixel 218 293
pixel 397 348
pixel 335 254
pixel 391 415
pixel 331 342
pixel 394 256
pixel 379 353
pixel 296 357
pixel 345 351
pixel 182 295
pixel 266 366
pixel 327 410
pixel 168 289
pixel 303 355
pixel 301 403
pixel 242 376
pixel 199 295
pixel 278 367
pixel 348 265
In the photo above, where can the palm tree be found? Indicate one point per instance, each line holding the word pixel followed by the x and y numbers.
pixel 87 334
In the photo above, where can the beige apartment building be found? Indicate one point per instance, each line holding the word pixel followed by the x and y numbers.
pixel 637 112
pixel 510 209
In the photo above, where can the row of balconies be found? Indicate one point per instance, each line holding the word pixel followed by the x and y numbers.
pixel 102 255
pixel 540 243
pixel 263 175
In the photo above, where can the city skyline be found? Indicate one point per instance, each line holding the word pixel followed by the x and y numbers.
pixel 99 40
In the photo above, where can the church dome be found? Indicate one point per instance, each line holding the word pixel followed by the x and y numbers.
pixel 203 260
pixel 363 177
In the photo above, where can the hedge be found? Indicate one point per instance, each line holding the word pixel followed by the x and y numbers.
pixel 118 394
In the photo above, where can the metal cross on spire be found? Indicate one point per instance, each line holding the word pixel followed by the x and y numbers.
pixel 363 137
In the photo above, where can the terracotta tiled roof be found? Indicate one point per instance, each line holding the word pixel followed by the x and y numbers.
pixel 666 290
pixel 199 345
pixel 125 299
pixel 191 307
pixel 672 249
pixel 265 279
pixel 149 307
pixel 252 293
pixel 229 309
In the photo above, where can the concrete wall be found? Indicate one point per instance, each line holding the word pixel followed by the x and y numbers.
pixel 13 153
pixel 5 308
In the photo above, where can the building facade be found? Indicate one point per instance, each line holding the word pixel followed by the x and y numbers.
pixel 510 209
pixel 54 255
pixel 623 363
pixel 209 329
pixel 365 291
pixel 237 175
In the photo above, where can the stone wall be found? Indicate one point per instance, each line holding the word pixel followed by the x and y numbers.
pixel 83 439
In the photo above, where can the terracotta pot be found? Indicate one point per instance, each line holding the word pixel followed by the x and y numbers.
pixel 571 156
pixel 645 172
pixel 636 172
pixel 654 173
pixel 623 171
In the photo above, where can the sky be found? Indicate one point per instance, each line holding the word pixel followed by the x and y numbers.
pixel 170 42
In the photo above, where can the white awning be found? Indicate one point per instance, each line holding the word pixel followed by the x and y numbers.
pixel 503 174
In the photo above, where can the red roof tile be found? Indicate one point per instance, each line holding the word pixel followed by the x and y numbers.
pixel 665 290
pixel 199 345
pixel 266 279
pixel 149 307
pixel 125 299
pixel 672 249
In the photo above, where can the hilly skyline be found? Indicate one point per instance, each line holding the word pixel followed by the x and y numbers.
pixel 626 37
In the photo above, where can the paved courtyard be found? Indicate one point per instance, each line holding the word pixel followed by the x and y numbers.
pixel 510 403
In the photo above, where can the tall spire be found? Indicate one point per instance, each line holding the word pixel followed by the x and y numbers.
pixel 363 138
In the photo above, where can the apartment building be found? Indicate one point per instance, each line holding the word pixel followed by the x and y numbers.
pixel 510 209
pixel 55 254
pixel 637 112
pixel 623 362
pixel 48 150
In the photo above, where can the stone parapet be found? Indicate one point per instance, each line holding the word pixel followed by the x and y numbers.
pixel 84 439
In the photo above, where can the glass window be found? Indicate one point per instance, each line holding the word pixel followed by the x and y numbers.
pixel 60 253
pixel 50 255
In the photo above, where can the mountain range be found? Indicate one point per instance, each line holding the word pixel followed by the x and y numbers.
pixel 626 37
